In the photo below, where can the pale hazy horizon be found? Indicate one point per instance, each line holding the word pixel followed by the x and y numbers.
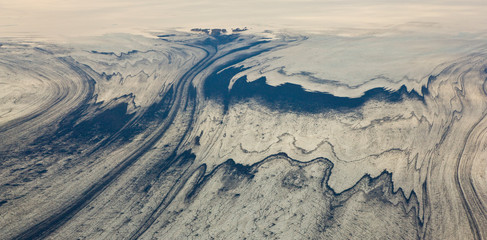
pixel 56 18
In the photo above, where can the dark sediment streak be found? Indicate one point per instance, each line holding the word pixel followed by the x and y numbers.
pixel 116 124
pixel 292 97
pixel 49 225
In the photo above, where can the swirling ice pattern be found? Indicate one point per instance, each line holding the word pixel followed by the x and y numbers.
pixel 153 143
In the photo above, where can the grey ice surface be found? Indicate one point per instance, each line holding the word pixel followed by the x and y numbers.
pixel 232 136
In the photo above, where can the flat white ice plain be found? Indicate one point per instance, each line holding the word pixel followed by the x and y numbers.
pixel 230 135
